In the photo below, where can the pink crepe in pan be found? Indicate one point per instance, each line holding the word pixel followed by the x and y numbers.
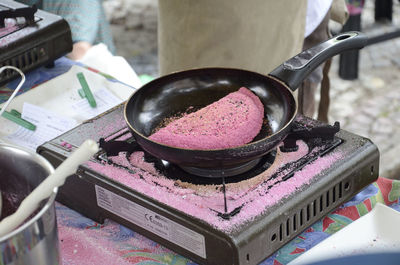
pixel 232 121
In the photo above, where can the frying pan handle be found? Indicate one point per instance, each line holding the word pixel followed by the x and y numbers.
pixel 296 69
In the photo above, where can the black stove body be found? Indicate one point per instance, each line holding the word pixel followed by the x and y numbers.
pixel 98 196
pixel 30 38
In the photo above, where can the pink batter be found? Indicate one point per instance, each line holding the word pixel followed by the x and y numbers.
pixel 229 122
pixel 205 201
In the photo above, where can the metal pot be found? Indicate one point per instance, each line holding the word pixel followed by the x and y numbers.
pixel 36 241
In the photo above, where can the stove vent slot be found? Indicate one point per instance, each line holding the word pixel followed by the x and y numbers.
pixel 22 61
pixel 26 59
pixel 313 211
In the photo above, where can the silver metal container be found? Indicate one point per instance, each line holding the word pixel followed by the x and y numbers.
pixel 36 241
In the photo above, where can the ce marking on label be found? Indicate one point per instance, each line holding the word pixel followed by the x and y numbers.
pixel 148 217
pixel 156 220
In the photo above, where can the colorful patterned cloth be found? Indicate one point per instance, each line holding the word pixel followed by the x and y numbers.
pixel 84 242
pixel 355 7
pixel 86 18
pixel 384 191
pixel 43 74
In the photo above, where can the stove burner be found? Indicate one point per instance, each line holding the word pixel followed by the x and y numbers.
pixel 320 135
pixel 318 145
pixel 221 172
pixel 251 169
pixel 113 147
pixel 187 174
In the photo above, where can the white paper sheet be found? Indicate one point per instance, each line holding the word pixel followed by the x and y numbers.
pixel 60 97
pixel 105 100
pixel 48 126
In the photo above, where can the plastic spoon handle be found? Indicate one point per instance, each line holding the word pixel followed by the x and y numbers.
pixel 45 189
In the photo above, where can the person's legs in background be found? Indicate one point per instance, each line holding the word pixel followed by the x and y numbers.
pixel 306 96
pixel 306 92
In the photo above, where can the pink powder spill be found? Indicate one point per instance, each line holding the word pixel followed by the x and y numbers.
pixel 66 145
pixel 92 246
pixel 10 27
pixel 204 201
pixel 87 247
pixel 284 189
pixel 232 121
pixel 110 128
pixel 100 130
pixel 137 160
pixel 108 244
pixel 121 135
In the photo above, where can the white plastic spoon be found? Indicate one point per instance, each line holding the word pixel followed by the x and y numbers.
pixel 45 189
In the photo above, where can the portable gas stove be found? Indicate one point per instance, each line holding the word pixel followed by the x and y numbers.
pixel 30 38
pixel 240 219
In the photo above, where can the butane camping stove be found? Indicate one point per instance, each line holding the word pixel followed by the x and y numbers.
pixel 30 38
pixel 241 220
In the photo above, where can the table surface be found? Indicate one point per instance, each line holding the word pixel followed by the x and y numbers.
pixel 83 241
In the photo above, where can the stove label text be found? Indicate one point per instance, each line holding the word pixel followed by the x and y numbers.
pixel 151 221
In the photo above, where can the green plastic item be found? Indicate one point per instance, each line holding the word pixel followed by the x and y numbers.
pixel 85 92
pixel 145 78
pixel 15 116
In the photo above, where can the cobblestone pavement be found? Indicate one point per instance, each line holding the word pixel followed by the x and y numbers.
pixel 368 106
pixel 134 27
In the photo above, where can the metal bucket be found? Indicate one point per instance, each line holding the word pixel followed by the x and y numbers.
pixel 36 241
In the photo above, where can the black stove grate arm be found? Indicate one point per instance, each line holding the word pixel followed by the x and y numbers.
pixel 26 12
pixel 113 148
pixel 325 133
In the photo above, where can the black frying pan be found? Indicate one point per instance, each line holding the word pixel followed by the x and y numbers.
pixel 171 94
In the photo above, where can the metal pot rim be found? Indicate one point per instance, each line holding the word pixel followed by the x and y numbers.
pixel 46 164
